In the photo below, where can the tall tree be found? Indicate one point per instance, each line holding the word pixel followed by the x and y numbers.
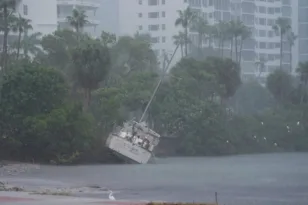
pixel 57 46
pixel 31 44
pixel 302 71
pixel 185 19
pixel 237 30
pixel 222 34
pixel 245 34
pixel 78 20
pixel 211 35
pixel 91 63
pixel 6 8
pixel 231 32
pixel 291 40
pixel 260 64
pixel 108 39
pixel 179 40
pixel 279 83
pixel 282 26
pixel 200 25
pixel 22 25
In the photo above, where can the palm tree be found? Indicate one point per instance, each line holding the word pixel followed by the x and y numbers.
pixel 282 26
pixel 179 40
pixel 260 64
pixel 78 20
pixel 231 37
pixel 302 70
pixel 31 44
pixel 222 34
pixel 211 33
pixel 6 7
pixel 245 34
pixel 185 19
pixel 291 39
pixel 237 30
pixel 200 25
pixel 21 25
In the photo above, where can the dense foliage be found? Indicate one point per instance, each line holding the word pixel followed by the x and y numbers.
pixel 62 94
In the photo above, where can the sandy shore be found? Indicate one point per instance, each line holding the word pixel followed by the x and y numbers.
pixel 10 181
pixel 24 198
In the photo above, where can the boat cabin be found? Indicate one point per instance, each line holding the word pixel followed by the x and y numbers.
pixel 139 134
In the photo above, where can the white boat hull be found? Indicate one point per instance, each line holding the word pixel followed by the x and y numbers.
pixel 128 150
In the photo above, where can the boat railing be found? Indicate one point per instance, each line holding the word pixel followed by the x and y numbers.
pixel 135 140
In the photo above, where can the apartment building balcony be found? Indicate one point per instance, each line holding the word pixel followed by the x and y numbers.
pixel 87 4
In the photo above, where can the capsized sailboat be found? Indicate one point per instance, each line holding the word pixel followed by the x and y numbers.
pixel 135 141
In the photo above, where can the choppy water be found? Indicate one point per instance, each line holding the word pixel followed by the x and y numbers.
pixel 269 179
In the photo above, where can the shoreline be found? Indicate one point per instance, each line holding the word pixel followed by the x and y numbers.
pixel 25 198
pixel 16 162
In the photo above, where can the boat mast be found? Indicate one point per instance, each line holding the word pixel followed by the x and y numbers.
pixel 165 70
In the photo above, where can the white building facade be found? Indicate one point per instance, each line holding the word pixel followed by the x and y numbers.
pixel 48 15
pixel 302 29
pixel 43 14
pixel 157 17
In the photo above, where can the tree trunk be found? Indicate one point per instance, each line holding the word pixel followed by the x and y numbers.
pixel 236 51
pixel 291 59
pixel 182 52
pixel 186 41
pixel 210 42
pixel 281 36
pixel 222 47
pixel 200 44
pixel 240 55
pixel 5 37
pixel 86 99
pixel 231 51
pixel 303 94
pixel 89 98
pixel 18 46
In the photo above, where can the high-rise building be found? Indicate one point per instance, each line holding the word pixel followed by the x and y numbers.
pixel 157 17
pixel 264 44
pixel 302 29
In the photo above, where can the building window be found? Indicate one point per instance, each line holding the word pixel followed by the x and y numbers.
pixel 140 15
pixel 163 1
pixel 153 27
pixel 262 33
pixel 262 45
pixel 153 2
pixel 140 2
pixel 153 15
pixel 163 39
pixel 163 14
pixel 262 9
pixel 25 10
pixel 140 28
pixel 270 22
pixel 155 40
pixel 270 34
pixel 271 10
pixel 163 26
pixel 262 21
